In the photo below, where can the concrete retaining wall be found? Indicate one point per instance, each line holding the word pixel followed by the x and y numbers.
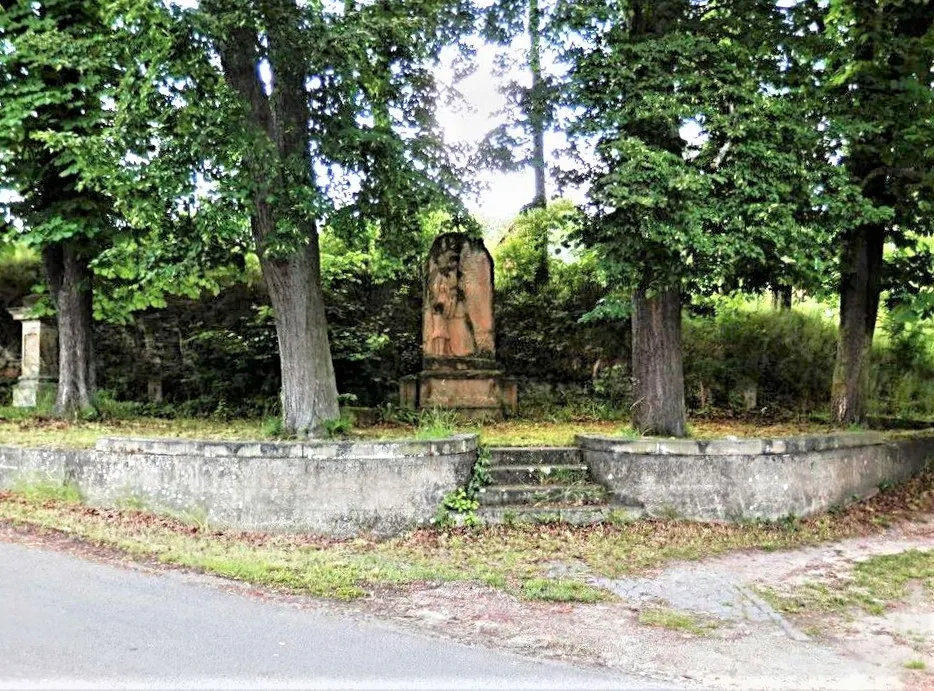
pixel 330 488
pixel 349 488
pixel 753 478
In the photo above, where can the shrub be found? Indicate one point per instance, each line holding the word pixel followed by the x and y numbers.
pixel 786 355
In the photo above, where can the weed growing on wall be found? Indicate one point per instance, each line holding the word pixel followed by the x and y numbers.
pixel 460 506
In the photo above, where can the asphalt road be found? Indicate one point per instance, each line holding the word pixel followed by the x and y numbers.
pixel 68 622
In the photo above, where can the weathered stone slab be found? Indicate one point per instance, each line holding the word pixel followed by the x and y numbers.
pixel 458 310
pixel 732 447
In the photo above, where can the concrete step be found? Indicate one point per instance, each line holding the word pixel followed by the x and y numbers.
pixel 535 455
pixel 573 515
pixel 537 474
pixel 535 495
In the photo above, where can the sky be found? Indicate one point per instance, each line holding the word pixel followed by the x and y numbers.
pixel 505 193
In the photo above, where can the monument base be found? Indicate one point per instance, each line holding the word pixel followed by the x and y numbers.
pixel 33 392
pixel 474 394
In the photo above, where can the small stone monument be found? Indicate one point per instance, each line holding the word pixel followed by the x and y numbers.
pixel 459 369
pixel 38 379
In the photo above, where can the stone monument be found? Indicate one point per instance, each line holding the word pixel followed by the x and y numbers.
pixel 38 379
pixel 459 370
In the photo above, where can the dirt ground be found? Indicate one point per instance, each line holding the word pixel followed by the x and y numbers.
pixel 742 641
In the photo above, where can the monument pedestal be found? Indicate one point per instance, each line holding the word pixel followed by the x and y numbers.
pixel 38 383
pixel 472 387
pixel 477 395
pixel 31 393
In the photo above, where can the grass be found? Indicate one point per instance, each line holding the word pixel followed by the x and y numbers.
pixel 874 584
pixel 675 620
pixel 562 590
pixel 513 558
pixel 915 664
pixel 25 428
pixel 39 490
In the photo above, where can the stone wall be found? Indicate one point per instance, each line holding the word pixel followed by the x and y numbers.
pixel 754 478
pixel 331 488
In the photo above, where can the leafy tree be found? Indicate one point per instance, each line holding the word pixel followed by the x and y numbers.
pixel 872 65
pixel 297 116
pixel 671 214
pixel 55 74
pixel 520 141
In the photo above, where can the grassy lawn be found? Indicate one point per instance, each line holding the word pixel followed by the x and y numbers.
pixel 516 559
pixel 19 429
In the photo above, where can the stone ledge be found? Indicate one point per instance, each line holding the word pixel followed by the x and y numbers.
pixel 727 446
pixel 336 450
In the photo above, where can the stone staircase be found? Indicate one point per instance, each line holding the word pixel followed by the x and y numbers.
pixel 542 485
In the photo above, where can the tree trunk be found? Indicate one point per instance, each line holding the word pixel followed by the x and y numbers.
pixel 70 286
pixel 309 388
pixel 860 286
pixel 292 274
pixel 657 370
pixel 781 297
pixel 537 106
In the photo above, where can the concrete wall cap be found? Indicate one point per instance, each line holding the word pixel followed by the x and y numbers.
pixel 728 446
pixel 337 449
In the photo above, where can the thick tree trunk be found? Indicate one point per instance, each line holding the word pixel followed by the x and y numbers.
pixel 309 389
pixel 860 286
pixel 70 286
pixel 657 369
pixel 292 274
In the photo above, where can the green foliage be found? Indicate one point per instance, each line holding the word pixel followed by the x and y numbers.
pixel 675 620
pixel 436 423
pixel 339 427
pixel 457 508
pixel 56 70
pixel 725 206
pixel 272 428
pixel 876 583
pixel 870 68
pixel 540 334
pixel 902 373
pixel 37 489
pixel 460 506
pixel 785 355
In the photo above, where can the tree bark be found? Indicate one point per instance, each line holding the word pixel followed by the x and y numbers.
pixel 293 276
pixel 860 286
pixel 657 368
pixel 537 106
pixel 309 388
pixel 70 286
